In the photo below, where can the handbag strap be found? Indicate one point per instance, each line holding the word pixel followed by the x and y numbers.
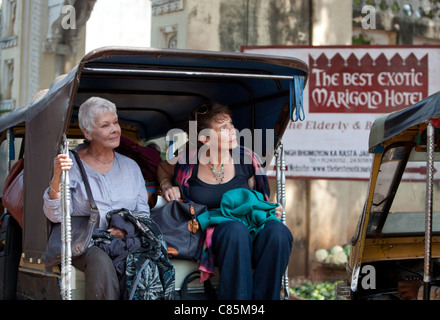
pixel 93 206
pixel 207 285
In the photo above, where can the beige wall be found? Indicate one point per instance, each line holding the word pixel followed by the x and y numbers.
pixel 331 21
pixel 226 25
pixel 168 25
pixel 203 15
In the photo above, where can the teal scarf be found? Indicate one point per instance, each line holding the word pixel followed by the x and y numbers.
pixel 247 206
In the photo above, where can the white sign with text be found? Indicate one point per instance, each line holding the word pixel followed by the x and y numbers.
pixel 347 89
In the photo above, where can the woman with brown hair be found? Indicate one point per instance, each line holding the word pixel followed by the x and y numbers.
pixel 250 267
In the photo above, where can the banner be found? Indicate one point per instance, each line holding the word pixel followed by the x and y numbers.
pixel 347 89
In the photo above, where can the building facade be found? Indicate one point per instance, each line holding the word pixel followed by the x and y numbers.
pixel 40 39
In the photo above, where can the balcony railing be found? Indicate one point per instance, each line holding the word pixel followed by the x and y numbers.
pixel 8 42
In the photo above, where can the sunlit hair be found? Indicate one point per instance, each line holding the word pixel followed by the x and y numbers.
pixel 207 112
pixel 204 114
pixel 90 109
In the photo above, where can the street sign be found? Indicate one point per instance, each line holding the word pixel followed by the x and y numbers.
pixel 348 88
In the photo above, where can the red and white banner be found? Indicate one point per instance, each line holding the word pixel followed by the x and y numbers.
pixel 348 88
pixel 366 84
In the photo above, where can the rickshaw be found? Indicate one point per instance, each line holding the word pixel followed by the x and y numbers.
pixel 155 91
pixel 395 249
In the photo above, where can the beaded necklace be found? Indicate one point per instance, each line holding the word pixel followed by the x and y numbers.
pixel 218 175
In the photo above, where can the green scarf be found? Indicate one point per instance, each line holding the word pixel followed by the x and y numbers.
pixel 247 206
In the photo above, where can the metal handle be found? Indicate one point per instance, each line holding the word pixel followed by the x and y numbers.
pixel 66 231
pixel 428 213
pixel 281 199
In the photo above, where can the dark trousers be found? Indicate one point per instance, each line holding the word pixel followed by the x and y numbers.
pixel 251 270
pixel 101 279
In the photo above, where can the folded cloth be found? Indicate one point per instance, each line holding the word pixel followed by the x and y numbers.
pixel 118 248
pixel 247 206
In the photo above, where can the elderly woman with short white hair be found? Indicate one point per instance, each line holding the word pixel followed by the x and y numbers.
pixel 115 180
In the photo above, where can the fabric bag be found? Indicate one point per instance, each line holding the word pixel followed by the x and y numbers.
pixel 149 273
pixel 12 197
pixel 208 292
pixel 149 278
pixel 82 228
pixel 178 222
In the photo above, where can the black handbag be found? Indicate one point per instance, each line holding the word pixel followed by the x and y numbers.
pixel 82 228
pixel 208 292
pixel 181 231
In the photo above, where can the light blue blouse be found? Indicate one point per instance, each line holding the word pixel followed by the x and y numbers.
pixel 122 187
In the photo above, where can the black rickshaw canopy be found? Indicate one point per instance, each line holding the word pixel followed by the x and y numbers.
pixel 393 124
pixel 154 91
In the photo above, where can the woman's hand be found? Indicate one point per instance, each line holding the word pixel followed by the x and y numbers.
pixel 279 211
pixel 170 192
pixel 118 233
pixel 61 163
pixel 165 173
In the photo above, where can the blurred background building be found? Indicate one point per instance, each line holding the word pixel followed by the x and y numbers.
pixel 42 39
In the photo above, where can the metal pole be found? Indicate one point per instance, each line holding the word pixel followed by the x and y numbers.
pixel 186 73
pixel 281 199
pixel 8 155
pixel 428 213
pixel 10 148
pixel 66 251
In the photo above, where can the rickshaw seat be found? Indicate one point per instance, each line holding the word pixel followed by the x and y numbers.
pixel 182 269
